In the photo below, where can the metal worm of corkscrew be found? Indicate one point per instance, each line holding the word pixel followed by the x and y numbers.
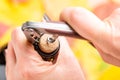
pixel 52 39
pixel 55 36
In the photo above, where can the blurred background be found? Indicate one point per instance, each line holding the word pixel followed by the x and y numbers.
pixel 14 13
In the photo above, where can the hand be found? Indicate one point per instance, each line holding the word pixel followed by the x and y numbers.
pixel 24 63
pixel 105 35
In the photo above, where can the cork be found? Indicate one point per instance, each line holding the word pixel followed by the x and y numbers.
pixel 46 46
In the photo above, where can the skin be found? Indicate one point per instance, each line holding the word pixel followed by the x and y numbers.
pixel 105 35
pixel 24 63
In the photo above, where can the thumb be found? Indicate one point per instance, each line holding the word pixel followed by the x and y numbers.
pixel 22 48
pixel 84 23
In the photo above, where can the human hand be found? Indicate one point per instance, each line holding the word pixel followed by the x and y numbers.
pixel 105 35
pixel 24 63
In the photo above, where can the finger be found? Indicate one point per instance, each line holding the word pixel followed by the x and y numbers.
pixel 108 58
pixel 65 53
pixel 84 22
pixel 23 49
pixel 10 56
pixel 66 58
pixel 113 21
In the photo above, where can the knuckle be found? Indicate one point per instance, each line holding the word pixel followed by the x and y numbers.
pixel 104 59
pixel 107 58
